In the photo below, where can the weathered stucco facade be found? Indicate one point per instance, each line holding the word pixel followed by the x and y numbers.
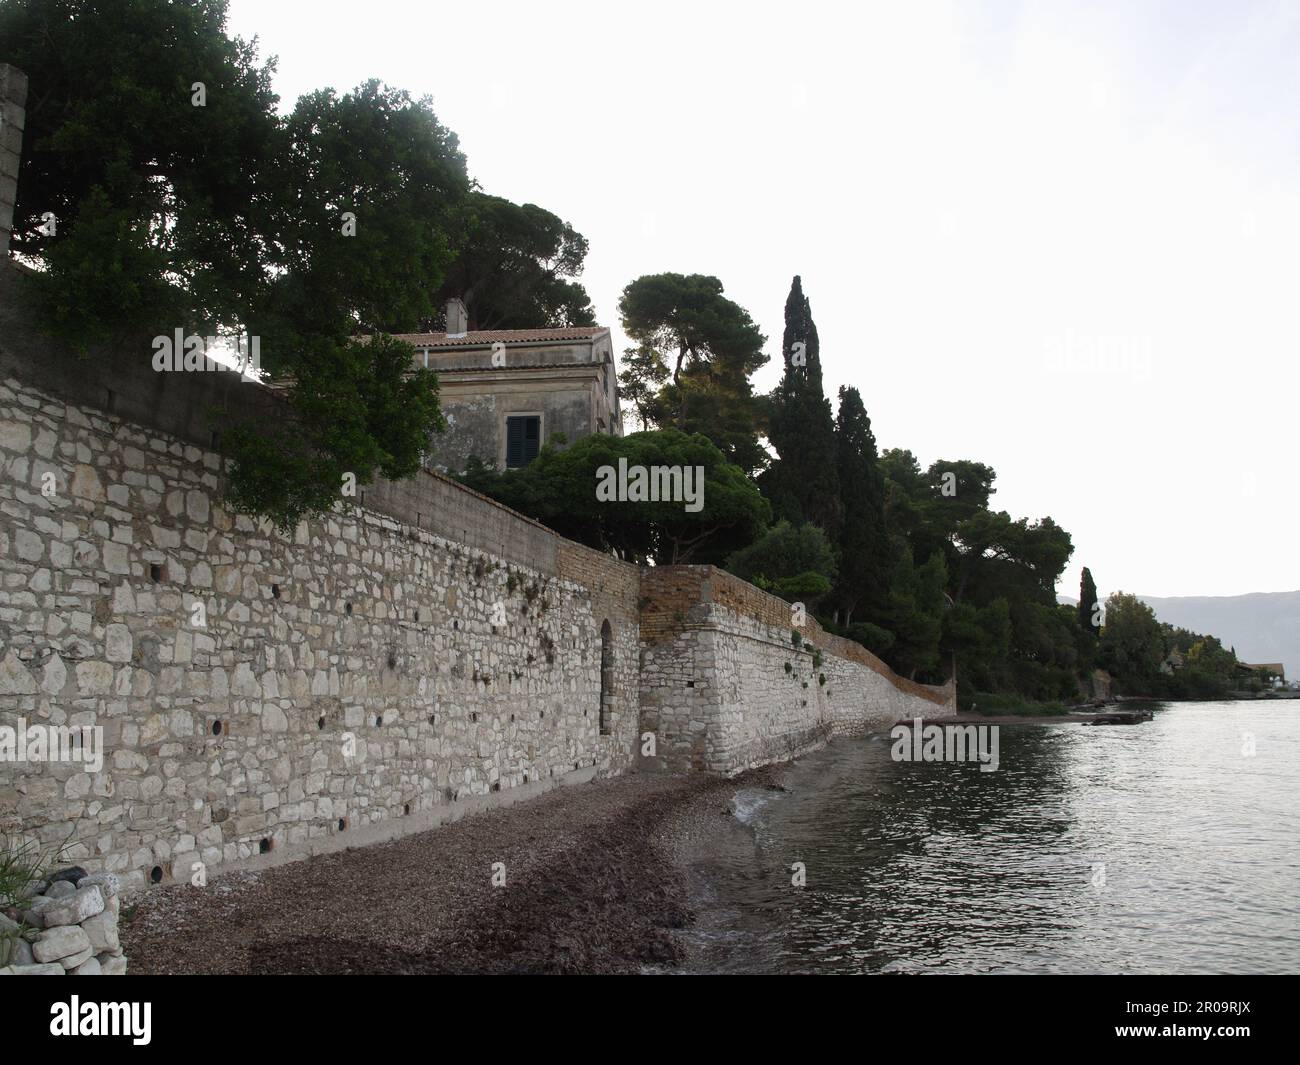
pixel 565 378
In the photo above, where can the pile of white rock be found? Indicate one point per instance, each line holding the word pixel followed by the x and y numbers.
pixel 68 924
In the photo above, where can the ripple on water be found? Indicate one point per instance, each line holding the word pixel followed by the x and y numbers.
pixel 1154 848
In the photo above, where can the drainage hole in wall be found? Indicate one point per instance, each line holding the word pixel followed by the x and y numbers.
pixel 343 824
pixel 275 591
pixel 543 714
pixel 512 717
pixel 525 778
pixel 155 874
pixel 347 609
pixel 155 572
pixel 216 728
pixel 320 723
pixel 433 718
pixel 496 786
pixel 406 809
pixel 379 720
pixel 455 624
pixel 473 717
pixel 264 846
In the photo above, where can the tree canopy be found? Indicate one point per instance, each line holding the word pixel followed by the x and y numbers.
pixel 696 352
pixel 514 266
pixel 160 189
pixel 561 486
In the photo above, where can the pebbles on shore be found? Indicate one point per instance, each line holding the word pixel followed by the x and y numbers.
pixel 584 879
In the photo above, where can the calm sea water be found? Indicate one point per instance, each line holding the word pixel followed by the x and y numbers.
pixel 1153 848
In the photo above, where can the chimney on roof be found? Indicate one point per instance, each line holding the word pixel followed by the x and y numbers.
pixel 457 317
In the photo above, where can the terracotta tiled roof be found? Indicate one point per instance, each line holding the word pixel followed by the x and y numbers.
pixel 444 368
pixel 487 337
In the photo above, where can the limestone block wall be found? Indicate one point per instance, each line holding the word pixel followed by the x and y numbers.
pixel 262 693
pixel 726 685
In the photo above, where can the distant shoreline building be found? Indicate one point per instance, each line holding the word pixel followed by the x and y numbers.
pixel 1276 669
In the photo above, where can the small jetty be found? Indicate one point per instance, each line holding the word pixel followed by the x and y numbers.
pixel 1076 716
pixel 1118 717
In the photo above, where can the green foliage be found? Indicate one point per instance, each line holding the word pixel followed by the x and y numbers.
pixel 558 488
pixel 793 562
pixel 864 543
pixel 1132 644
pixel 696 350
pixel 356 220
pixel 514 264
pixel 153 190
pixel 1000 703
pixel 914 615
pixel 804 485
pixel 380 155
pixel 981 637
pixel 643 375
pixel 357 409
pixel 1087 603
pixel 874 638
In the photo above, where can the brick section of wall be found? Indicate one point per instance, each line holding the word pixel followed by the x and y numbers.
pixel 13 99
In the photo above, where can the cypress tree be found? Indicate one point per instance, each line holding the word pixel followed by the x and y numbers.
pixel 864 539
pixel 1087 603
pixel 803 485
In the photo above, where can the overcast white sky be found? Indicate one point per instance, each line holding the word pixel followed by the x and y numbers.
pixel 1059 238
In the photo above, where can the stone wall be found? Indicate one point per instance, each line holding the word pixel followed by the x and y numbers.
pixel 416 655
pixel 270 694
pixel 728 682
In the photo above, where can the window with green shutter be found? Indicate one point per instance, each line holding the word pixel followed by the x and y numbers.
pixel 523 439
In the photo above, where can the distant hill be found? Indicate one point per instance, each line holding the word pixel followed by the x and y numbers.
pixel 1262 626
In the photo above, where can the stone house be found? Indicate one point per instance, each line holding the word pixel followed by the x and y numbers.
pixel 506 392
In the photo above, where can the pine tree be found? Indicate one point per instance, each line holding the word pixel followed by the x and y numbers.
pixel 864 540
pixel 1087 603
pixel 803 486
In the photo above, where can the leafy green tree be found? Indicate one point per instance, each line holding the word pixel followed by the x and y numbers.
pixel 194 206
pixel 1041 549
pixel 981 638
pixel 559 489
pixel 1132 644
pixel 793 561
pixel 357 407
pixel 153 204
pixel 914 614
pixel 367 187
pixel 804 484
pixel 640 381
pixel 514 266
pixel 709 346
